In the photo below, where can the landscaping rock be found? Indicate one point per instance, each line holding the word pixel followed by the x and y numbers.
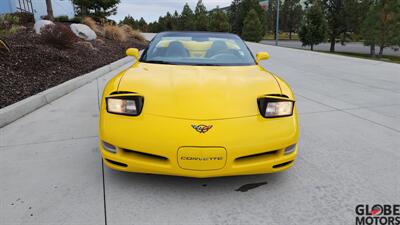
pixel 40 24
pixel 83 31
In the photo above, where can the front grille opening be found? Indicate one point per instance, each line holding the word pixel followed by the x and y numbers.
pixel 144 156
pixel 258 156
pixel 117 163
pixel 282 165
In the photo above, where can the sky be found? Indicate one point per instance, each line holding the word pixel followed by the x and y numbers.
pixel 150 10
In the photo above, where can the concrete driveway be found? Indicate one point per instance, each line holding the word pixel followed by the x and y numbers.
pixel 51 171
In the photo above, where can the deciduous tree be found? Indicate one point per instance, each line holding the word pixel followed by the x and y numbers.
pixel 270 24
pixel 341 16
pixel 291 16
pixel 382 25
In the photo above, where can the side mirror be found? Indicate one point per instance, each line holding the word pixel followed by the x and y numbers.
pixel 134 52
pixel 262 56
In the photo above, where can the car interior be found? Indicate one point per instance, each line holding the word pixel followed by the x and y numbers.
pixel 197 49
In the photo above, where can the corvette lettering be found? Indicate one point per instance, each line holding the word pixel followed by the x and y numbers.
pixel 202 158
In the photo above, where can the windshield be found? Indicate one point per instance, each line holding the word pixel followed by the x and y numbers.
pixel 196 48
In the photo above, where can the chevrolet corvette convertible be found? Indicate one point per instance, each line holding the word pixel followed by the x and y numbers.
pixel 198 104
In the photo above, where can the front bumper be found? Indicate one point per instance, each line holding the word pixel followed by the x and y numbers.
pixel 152 144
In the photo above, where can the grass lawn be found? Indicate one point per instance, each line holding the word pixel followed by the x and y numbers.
pixel 282 36
pixel 385 58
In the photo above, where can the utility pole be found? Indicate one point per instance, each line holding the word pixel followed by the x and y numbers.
pixel 277 23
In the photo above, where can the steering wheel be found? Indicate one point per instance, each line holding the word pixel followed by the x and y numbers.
pixel 230 53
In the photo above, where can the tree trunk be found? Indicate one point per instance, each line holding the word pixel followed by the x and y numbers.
pixel 381 51
pixel 372 50
pixel 49 10
pixel 333 42
pixel 312 47
pixel 84 11
pixel 290 35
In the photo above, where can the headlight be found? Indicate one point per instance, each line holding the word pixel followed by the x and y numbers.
pixel 275 107
pixel 125 105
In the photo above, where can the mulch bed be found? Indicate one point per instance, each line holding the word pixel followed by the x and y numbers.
pixel 34 66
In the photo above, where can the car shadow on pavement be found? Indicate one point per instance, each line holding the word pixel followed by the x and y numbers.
pixel 186 184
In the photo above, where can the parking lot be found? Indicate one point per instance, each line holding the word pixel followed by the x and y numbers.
pixel 51 171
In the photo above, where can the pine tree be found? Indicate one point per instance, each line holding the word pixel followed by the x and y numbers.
pixel 239 11
pixel 219 21
pixel 233 14
pixel 186 20
pixel 175 20
pixel 142 25
pixel 201 18
pixel 252 29
pixel 99 9
pixel 129 20
pixel 314 28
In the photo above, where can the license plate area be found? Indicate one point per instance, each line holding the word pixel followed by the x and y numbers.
pixel 201 158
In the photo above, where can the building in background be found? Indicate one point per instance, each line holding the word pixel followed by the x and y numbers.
pixel 264 4
pixel 38 7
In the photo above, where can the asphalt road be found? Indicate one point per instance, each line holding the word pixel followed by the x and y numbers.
pixel 355 47
pixel 51 171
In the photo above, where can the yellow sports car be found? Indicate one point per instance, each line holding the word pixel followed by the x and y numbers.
pixel 198 104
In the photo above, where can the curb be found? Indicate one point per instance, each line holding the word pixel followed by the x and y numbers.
pixel 19 109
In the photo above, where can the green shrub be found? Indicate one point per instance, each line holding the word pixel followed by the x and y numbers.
pixel 8 20
pixel 24 17
pixel 76 19
pixel 8 24
pixel 62 19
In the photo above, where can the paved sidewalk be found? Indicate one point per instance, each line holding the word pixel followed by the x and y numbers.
pixel 51 171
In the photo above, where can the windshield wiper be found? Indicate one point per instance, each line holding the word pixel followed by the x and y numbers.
pixel 180 63
pixel 159 62
pixel 205 64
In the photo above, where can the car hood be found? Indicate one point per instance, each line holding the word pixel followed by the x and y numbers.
pixel 199 92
